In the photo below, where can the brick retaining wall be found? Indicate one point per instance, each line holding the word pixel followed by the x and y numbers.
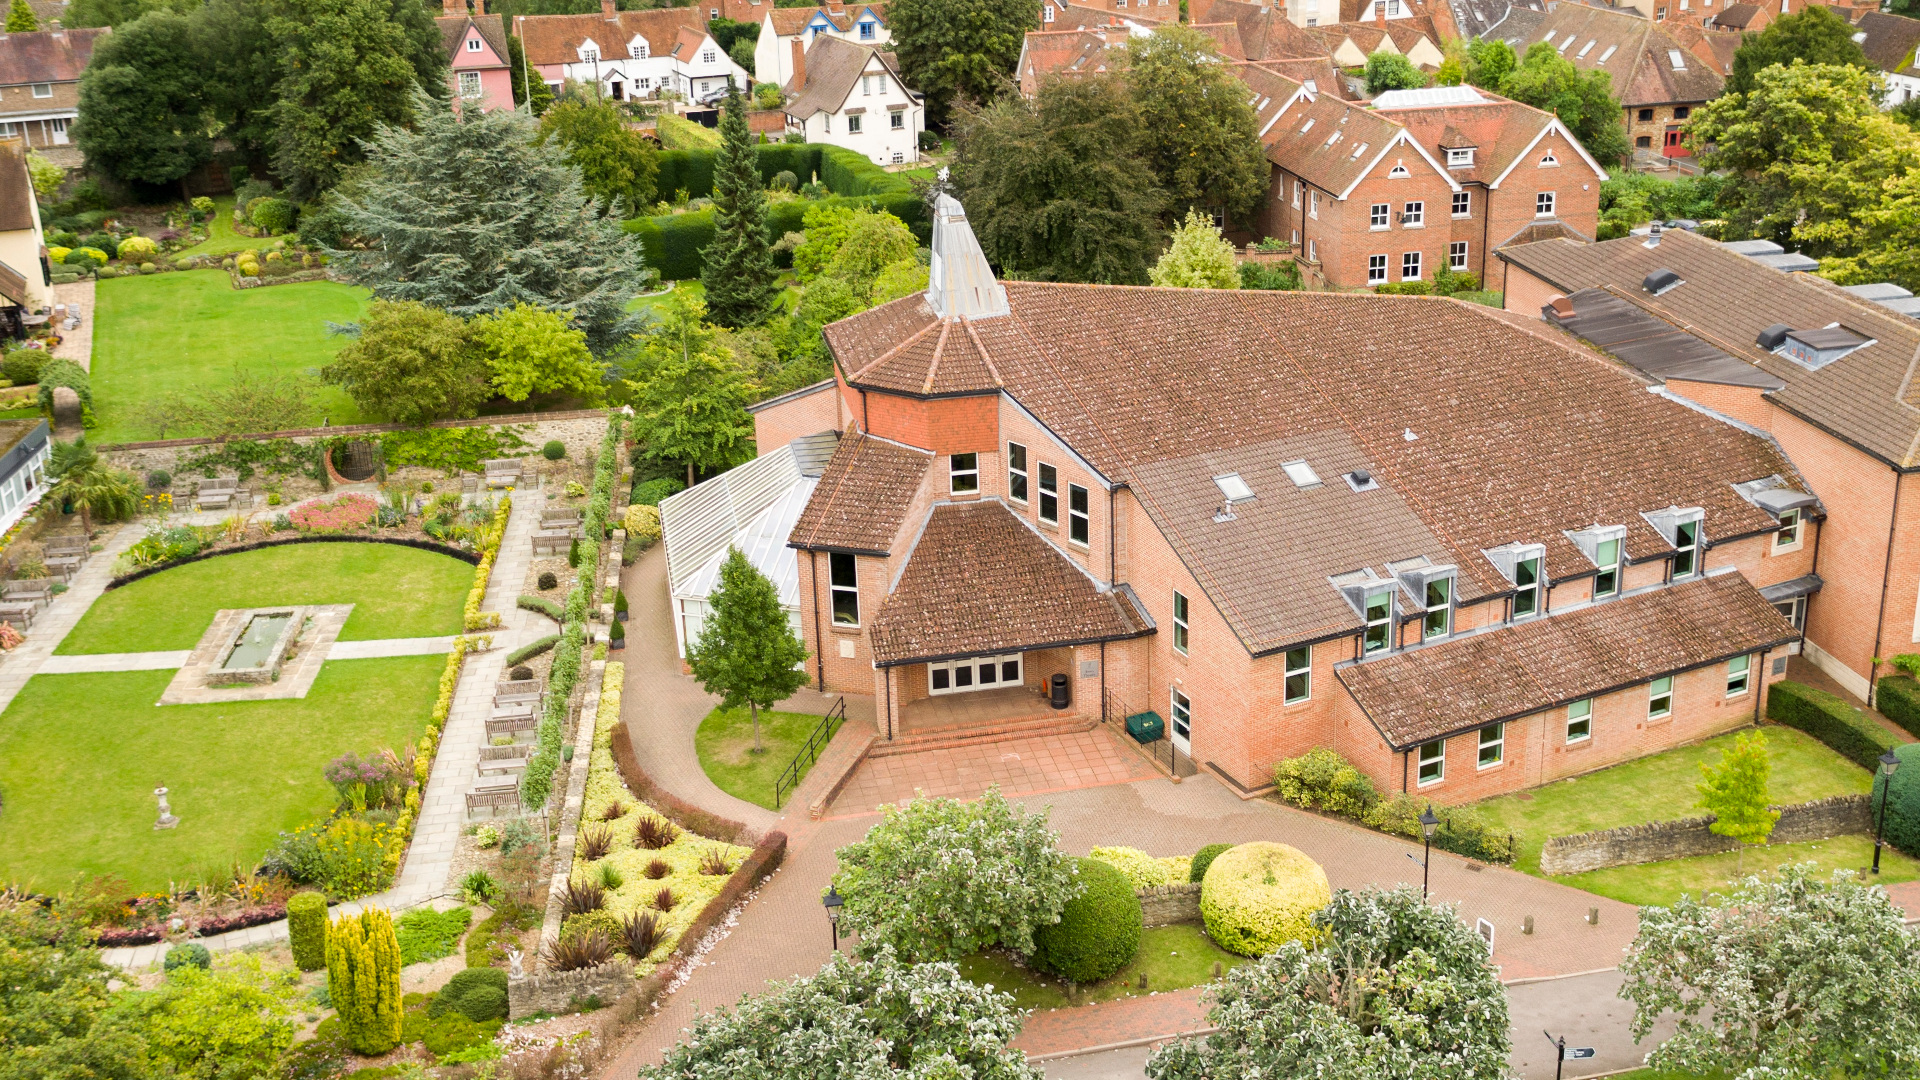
pixel 1662 840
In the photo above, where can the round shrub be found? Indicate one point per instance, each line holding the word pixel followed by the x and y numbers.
pixel 1098 932
pixel 554 450
pixel 138 248
pixel 307 930
pixel 1141 869
pixel 57 253
pixel 191 953
pixel 785 180
pixel 184 262
pixel 1903 800
pixel 548 580
pixel 102 242
pixel 485 1003
pixel 458 995
pixel 273 215
pixel 149 268
pixel 642 523
pixel 1203 859
pixel 520 673
pixel 22 366
pixel 1258 896
pixel 929 141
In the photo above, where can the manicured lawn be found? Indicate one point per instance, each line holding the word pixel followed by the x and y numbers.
pixel 656 304
pixel 161 333
pixel 221 238
pixel 1660 787
pixel 1663 883
pixel 396 592
pixel 80 756
pixel 1172 957
pixel 725 745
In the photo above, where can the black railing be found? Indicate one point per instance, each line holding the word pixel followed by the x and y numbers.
pixel 810 753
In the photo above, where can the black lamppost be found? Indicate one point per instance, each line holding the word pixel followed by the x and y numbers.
pixel 1428 823
pixel 833 903
pixel 1888 763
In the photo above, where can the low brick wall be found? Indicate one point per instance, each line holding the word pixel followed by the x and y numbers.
pixel 1661 840
pixel 554 991
pixel 1164 905
pixel 580 431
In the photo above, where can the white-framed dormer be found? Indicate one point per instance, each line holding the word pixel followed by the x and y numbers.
pixel 588 51
pixel 1525 568
pixel 1553 127
pixel 1681 527
pixel 638 49
pixel 1428 588
pixel 1605 546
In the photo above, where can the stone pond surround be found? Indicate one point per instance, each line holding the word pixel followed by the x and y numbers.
pixel 316 628
pixel 1628 845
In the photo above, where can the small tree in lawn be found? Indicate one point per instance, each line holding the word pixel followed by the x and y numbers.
pixel 747 653
pixel 1199 258
pixel 1735 792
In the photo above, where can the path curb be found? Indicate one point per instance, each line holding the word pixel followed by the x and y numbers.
pixel 1127 1045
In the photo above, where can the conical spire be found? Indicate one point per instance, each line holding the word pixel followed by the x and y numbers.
pixel 960 283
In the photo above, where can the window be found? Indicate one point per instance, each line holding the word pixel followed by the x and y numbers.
pixel 1296 194
pixel 1313 204
pixel 1433 762
pixel 469 84
pixel 1660 698
pixel 1493 745
pixel 1398 172
pixel 1182 710
pixel 1299 677
pixel 866 86
pixel 1607 559
pixel 473 44
pixel 637 50
pixel 706 56
pixel 1377 216
pixel 1580 720
pixel 1016 472
pixel 844 575
pixel 1609 52
pixel 1459 156
pixel 1410 266
pixel 1376 269
pixel 1439 620
pixel 866 29
pixel 587 56
pixel 1049 494
pixel 1686 542
pixel 1078 523
pixel 1543 204
pixel 974 673
pixel 1393 9
pixel 1549 161
pixel 1789 533
pixel 1313 249
pixel 1681 112
pixel 1301 473
pixel 853 124
pixel 1738 670
pixel 1644 142
pixel 1379 631
pixel 1526 592
pixel 1457 255
pixel 899 121
pixel 963 473
pixel 644 84
pixel 1646 116
pixel 1179 624
pixel 42 90
pixel 1048 12
pixel 1679 59
pixel 1462 203
pixel 1794 610
pixel 1414 214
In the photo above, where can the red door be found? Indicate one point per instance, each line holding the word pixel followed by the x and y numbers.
pixel 1673 146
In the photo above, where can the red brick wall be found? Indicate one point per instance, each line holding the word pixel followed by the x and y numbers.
pixel 1576 193
pixel 1525 293
pixel 780 424
pixel 944 425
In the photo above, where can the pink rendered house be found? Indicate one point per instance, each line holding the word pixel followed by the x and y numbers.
pixel 477 49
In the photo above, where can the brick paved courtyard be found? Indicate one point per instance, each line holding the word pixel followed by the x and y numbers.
pixel 1019 766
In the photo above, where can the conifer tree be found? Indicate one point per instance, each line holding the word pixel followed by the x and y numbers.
pixel 690 394
pixel 363 979
pixel 747 652
pixel 739 273
pixel 20 18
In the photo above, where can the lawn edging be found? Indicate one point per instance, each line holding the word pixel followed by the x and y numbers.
pixel 472 558
pixel 678 810
pixel 1659 841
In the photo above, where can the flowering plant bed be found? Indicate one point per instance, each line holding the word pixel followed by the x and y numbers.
pixel 349 511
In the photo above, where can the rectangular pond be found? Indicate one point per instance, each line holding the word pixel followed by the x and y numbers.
pixel 255 646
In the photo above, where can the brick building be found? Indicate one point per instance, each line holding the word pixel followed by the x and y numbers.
pixel 40 84
pixel 1468 556
pixel 1731 333
pixel 1420 180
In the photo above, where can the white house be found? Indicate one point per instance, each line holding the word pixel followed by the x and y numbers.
pixel 1889 42
pixel 630 54
pixel 851 95
pixel 864 24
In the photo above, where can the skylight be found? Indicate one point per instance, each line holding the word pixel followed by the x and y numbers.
pixel 1587 48
pixel 1301 474
pixel 1860 37
pixel 1678 60
pixel 1357 151
pixel 1233 487
pixel 1604 55
pixel 1306 127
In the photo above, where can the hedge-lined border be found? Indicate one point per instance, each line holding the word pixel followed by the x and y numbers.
pixel 683 813
pixel 471 617
pixel 1830 719
pixel 471 558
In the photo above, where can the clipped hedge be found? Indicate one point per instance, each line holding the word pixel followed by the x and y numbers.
pixel 532 649
pixel 1902 800
pixel 1831 720
pixel 1141 869
pixel 1259 896
pixel 307 930
pixel 1898 699
pixel 1099 930
pixel 1203 859
pixel 542 605
pixel 479 994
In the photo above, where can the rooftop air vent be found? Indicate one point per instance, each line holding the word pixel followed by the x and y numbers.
pixel 1233 487
pixel 1653 235
pixel 1301 474
pixel 1361 480
pixel 1773 336
pixel 1660 281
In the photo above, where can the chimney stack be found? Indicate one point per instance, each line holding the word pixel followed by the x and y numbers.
pixel 799 62
pixel 606 10
pixel 1562 307
pixel 454 7
pixel 480 8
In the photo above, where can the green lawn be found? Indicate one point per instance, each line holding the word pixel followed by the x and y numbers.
pixel 1172 957
pixel 1660 787
pixel 725 745
pixel 1663 883
pixel 221 238
pixel 80 756
pixel 396 592
pixel 161 333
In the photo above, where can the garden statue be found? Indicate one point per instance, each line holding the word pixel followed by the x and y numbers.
pixel 167 820
pixel 515 971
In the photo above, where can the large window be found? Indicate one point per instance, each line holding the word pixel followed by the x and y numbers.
pixel 1299 674
pixel 1410 266
pixel 1580 720
pixel 1457 255
pixel 1439 620
pixel 846 588
pixel 1543 204
pixel 1179 624
pixel 963 473
pixel 1016 472
pixel 1686 543
pixel 1376 269
pixel 853 125
pixel 973 673
pixel 1789 533
pixel 1377 216
pixel 1607 558
pixel 1462 204
pixel 1526 591
pixel 1049 494
pixel 1414 214
pixel 1493 745
pixel 1660 698
pixel 1433 762
pixel 1379 633
pixel 1079 524
pixel 1739 674
pixel 469 84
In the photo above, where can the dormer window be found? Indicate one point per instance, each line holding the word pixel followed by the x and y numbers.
pixel 1812 349
pixel 637 50
pixel 1681 528
pixel 1459 156
pixel 1379 616
pixel 1439 620
pixel 1604 546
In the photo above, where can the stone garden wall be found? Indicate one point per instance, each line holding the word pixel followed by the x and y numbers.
pixel 1631 844
pixel 579 431
pixel 1164 905
pixel 554 991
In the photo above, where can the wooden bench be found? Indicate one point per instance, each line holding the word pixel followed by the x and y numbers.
pixel 217 493
pixel 562 517
pixel 39 590
pixel 18 612
pixel 502 472
pixel 70 544
pixel 510 725
pixel 63 566
pixel 553 541
pixel 517 688
pixel 494 794
pixel 503 760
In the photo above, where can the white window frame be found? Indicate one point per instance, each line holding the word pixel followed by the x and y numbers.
pixel 42 90
pixel 1438 622
pixel 1497 744
pixel 1459 157
pixel 1382 626
pixel 1660 698
pixel 1739 676
pixel 1616 568
pixel 1436 762
pixel 1017 472
pixel 473 44
pixel 853 124
pixel 1180 720
pixel 1180 624
pixel 1580 720
pixel 1313 204
pixel 899 119
pixel 1543 204
pixel 470 84
pixel 963 477
pixel 1410 260
pixel 1079 516
pixel 836 588
pixel 1790 528
pixel 969 667
pixel 1535 590
pixel 1296 194
pixel 1376 269
pixel 1049 494
pixel 1297 664
pixel 1686 547
pixel 1462 204
pixel 1457 255
pixel 1378 215
pixel 1414 215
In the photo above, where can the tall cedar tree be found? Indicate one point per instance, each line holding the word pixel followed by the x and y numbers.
pixel 470 215
pixel 1053 187
pixel 747 652
pixel 20 18
pixel 143 110
pixel 615 163
pixel 959 50
pixel 350 67
pixel 741 280
pixel 1197 130
pixel 690 393
pixel 1814 34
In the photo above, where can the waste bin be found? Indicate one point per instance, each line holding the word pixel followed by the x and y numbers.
pixel 1146 727
pixel 1061 696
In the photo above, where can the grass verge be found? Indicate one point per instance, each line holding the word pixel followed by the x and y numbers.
pixel 1171 957
pixel 1662 883
pixel 221 239
pixel 725 745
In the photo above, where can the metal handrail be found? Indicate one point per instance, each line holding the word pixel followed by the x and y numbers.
pixel 822 734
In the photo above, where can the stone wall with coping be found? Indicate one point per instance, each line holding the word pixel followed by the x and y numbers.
pixel 576 796
pixel 555 991
pixel 580 432
pixel 1164 905
pixel 1661 840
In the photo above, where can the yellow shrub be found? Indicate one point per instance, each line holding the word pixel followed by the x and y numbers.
pixel 1258 896
pixel 643 523
pixel 1143 870
pixel 138 249
pixel 57 254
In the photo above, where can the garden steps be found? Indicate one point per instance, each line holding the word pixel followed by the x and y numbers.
pixel 985 733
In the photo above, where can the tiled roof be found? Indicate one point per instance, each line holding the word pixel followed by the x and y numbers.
pixel 1163 389
pixel 46 55
pixel 1890 40
pixel 1455 686
pixel 555 39
pixel 1638 51
pixel 862 497
pixel 1318 70
pixel 1738 16
pixel 980 580
pixel 453 31
pixel 1499 130
pixel 1226 38
pixel 1264 31
pixel 1477 18
pixel 1726 299
pixel 1326 141
pixel 16 187
pixel 789 21
pixel 833 69
pixel 1061 52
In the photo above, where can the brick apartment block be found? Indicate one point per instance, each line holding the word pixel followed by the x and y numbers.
pixel 1464 551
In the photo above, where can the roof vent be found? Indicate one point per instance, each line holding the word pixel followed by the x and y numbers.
pixel 1361 480
pixel 1660 281
pixel 1773 336
pixel 1653 235
pixel 1408 435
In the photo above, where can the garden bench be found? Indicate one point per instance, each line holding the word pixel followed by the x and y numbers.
pixel 507 688
pixel 63 566
pixel 510 725
pixel 561 517
pixel 552 541
pixel 217 493
pixel 503 760
pixel 513 708
pixel 35 589
pixel 18 612
pixel 494 794
pixel 71 544
pixel 502 472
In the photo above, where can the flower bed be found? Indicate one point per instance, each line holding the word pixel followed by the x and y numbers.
pixel 475 619
pixel 349 511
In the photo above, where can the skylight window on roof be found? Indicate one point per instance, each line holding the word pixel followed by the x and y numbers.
pixel 1306 127
pixel 1608 53
pixel 1301 474
pixel 1233 487
pixel 1333 138
pixel 1357 151
pixel 1549 38
pixel 1565 45
pixel 1860 37
pixel 1587 48
pixel 1677 59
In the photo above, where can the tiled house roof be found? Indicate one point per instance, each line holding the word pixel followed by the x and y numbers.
pixel 981 580
pixel 1457 685
pixel 862 497
pixel 556 39
pixel 832 71
pixel 47 55
pixel 1636 52
pixel 1060 52
pixel 1890 40
pixel 788 21
pixel 16 188
pixel 453 31
pixel 1499 130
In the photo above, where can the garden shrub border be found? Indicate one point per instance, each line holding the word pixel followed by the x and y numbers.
pixel 469 557
pixel 532 649
pixel 1898 699
pixel 472 618
pixel 678 810
pixel 760 863
pixel 1831 720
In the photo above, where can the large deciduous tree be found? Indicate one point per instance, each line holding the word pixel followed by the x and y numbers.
pixel 58 1023
pixel 747 653
pixel 1813 34
pixel 689 393
pixel 1583 100
pixel 1053 187
pixel 959 49
pixel 233 40
pixel 1196 127
pixel 1393 989
pixel 615 163
pixel 469 214
pixel 117 13
pixel 1198 258
pixel 143 109
pixel 412 364
pixel 742 283
pixel 535 351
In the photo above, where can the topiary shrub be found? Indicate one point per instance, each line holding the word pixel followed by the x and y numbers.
pixel 554 450
pixel 192 954
pixel 159 480
pixel 520 673
pixel 22 366
pixel 548 580
pixel 138 249
pixel 273 215
pixel 643 524
pixel 1259 896
pixel 929 140
pixel 1098 931
pixel 1203 859
pixel 307 930
pixel 1141 869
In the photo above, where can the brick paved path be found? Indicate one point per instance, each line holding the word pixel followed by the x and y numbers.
pixel 1034 765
